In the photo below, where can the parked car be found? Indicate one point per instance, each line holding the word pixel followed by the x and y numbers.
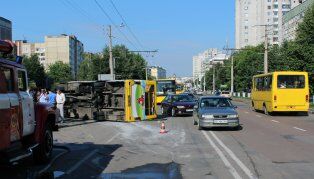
pixel 26 127
pixel 175 104
pixel 215 111
pixel 226 94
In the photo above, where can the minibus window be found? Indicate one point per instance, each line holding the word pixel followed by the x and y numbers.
pixel 290 81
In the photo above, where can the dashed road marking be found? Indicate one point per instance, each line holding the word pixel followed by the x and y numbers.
pixel 231 169
pixel 245 169
pixel 246 112
pixel 258 116
pixel 299 129
pixel 275 121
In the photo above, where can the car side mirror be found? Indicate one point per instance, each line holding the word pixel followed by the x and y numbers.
pixel 196 107
pixel 235 107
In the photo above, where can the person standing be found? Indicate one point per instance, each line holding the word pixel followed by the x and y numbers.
pixel 52 98
pixel 60 99
pixel 43 98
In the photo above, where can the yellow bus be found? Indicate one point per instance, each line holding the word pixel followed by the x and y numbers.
pixel 179 88
pixel 285 91
pixel 165 87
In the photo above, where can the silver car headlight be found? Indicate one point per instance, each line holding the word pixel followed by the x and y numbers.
pixel 208 116
pixel 233 116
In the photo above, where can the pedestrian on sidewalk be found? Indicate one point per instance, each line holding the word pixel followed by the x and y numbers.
pixel 60 98
pixel 43 98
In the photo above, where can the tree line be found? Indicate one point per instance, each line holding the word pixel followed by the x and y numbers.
pixel 295 55
pixel 128 65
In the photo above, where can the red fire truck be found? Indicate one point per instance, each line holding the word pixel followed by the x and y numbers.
pixel 25 126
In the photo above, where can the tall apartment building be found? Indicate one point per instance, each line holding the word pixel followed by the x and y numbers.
pixel 295 16
pixel 204 61
pixel 65 48
pixel 252 16
pixel 157 72
pixel 5 29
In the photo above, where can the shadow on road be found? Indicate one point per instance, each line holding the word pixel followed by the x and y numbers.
pixel 224 129
pixel 74 164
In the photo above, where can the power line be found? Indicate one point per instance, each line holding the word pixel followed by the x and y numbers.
pixel 125 23
pixel 111 20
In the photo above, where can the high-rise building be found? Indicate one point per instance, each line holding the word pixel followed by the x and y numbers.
pixel 294 17
pixel 157 72
pixel 256 18
pixel 204 61
pixel 65 48
pixel 5 29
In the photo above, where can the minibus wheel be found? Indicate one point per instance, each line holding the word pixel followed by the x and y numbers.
pixel 265 110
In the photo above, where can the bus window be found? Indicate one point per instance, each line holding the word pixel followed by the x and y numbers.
pixel 291 81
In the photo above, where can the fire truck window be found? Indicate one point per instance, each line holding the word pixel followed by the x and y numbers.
pixel 8 74
pixel 22 81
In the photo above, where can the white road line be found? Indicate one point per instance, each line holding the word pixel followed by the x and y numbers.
pixel 299 129
pixel 108 141
pixel 81 161
pixel 88 156
pixel 246 112
pixel 234 157
pixel 231 169
pixel 258 116
pixel 275 121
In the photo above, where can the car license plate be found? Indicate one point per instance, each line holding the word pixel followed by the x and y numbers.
pixel 189 110
pixel 220 121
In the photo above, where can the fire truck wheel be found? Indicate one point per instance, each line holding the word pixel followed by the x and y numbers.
pixel 43 151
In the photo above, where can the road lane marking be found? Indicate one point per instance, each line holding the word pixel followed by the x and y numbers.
pixel 275 121
pixel 111 139
pixel 81 161
pixel 258 116
pixel 246 112
pixel 231 169
pixel 78 164
pixel 245 169
pixel 299 129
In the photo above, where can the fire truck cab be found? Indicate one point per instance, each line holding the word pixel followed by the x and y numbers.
pixel 25 126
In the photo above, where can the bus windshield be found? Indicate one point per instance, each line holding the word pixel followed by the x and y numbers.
pixel 165 87
pixel 291 81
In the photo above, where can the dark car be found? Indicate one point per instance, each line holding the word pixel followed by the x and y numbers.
pixel 178 104
pixel 215 111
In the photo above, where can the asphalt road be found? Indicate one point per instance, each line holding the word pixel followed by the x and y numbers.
pixel 266 147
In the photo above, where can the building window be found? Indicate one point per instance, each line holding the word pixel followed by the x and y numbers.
pixel 275 19
pixel 275 6
pixel 246 27
pixel 275 32
pixel 246 40
pixel 268 7
pixel 275 39
pixel 285 6
pixel 276 13
pixel 246 8
pixel 269 0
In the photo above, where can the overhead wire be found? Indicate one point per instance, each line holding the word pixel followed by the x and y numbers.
pixel 126 24
pixel 113 23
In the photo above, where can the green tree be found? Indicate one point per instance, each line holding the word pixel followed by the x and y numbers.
pixel 35 70
pixel 60 72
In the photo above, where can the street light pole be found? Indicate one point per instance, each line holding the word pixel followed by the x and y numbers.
pixel 266 52
pixel 204 81
pixel 214 82
pixel 231 85
pixel 110 53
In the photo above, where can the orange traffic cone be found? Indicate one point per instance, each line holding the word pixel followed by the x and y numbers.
pixel 162 128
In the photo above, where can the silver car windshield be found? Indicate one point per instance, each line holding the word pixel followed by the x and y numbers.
pixel 215 103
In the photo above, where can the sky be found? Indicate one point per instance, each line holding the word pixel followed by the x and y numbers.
pixel 178 29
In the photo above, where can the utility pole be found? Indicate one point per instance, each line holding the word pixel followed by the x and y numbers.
pixel 231 85
pixel 204 81
pixel 110 53
pixel 214 82
pixel 146 73
pixel 266 52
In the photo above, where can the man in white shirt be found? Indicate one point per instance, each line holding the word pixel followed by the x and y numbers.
pixel 60 98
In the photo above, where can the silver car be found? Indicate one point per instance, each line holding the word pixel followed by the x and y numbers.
pixel 215 111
